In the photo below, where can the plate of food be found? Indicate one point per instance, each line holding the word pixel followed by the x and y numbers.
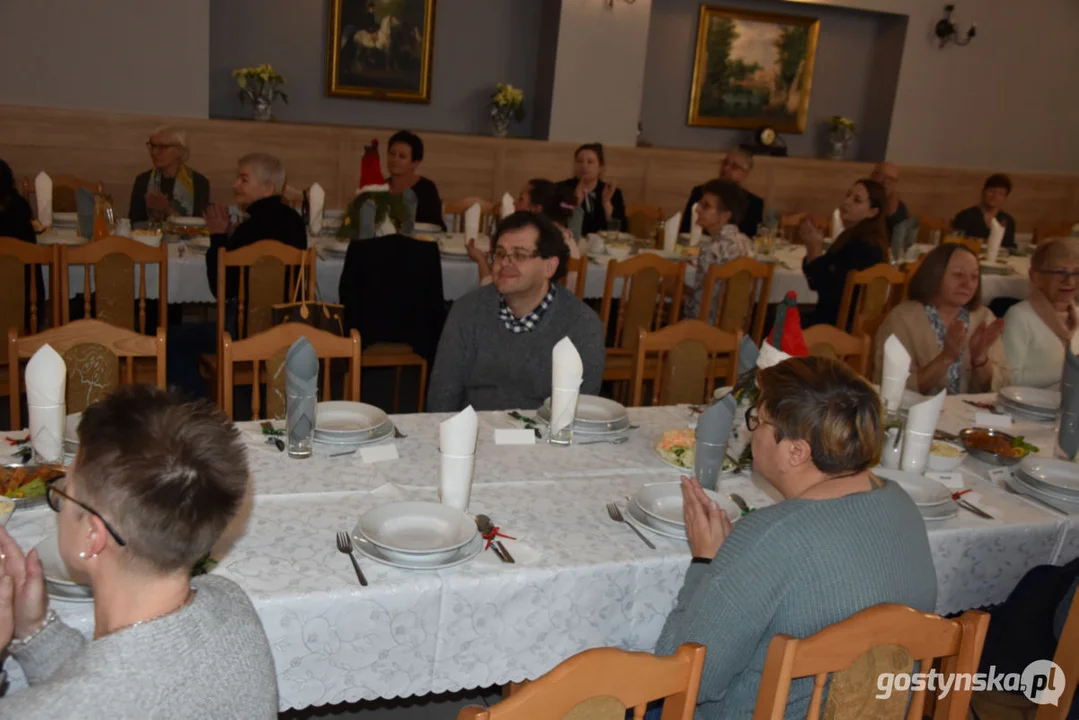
pixel 945 456
pixel 25 484
pixel 995 447
pixel 677 448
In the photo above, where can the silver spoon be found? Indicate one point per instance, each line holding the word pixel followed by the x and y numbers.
pixel 740 502
pixel 612 441
pixel 485 526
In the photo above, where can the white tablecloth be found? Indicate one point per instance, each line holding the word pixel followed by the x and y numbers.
pixel 581 581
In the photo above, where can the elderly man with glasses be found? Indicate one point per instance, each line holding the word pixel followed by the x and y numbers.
pixel 170 187
pixel 736 166
pixel 495 350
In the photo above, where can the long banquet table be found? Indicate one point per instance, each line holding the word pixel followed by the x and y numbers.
pixel 581 580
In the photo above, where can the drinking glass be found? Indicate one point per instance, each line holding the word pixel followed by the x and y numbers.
pixel 47 433
pixel 300 423
pixel 455 480
pixel 614 229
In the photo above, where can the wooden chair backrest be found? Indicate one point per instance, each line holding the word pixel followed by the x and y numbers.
pixel 15 257
pixel 908 273
pixel 642 219
pixel 830 341
pixel 605 677
pixel 836 648
pixel 65 188
pixel 1051 231
pixel 269 273
pixel 789 222
pixel 690 355
pixel 879 289
pixel 86 368
pixel 453 213
pixel 651 296
pixel 743 302
pixel 113 260
pixel 578 265
pixel 929 225
pixel 975 244
pixel 1067 657
pixel 269 347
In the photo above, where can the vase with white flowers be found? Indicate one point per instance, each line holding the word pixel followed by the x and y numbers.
pixel 841 131
pixel 261 85
pixel 507 104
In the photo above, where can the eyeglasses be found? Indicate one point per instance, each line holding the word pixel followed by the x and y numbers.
pixel 53 495
pixel 1062 275
pixel 517 256
pixel 152 146
pixel 753 419
pixel 735 166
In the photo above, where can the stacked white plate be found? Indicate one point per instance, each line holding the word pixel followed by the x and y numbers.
pixel 1053 481
pixel 58 581
pixel 933 499
pixel 658 507
pixel 417 536
pixel 342 424
pixel 65 220
pixel 1036 404
pixel 595 416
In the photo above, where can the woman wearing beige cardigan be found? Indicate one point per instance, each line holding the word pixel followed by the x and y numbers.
pixel 953 341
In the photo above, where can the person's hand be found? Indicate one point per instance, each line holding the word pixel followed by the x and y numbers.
pixel 812 238
pixel 982 339
pixel 954 340
pixel 579 193
pixel 608 198
pixel 158 202
pixel 707 525
pixel 7 610
pixel 29 601
pixel 217 219
pixel 477 255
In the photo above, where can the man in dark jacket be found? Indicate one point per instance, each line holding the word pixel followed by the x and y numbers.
pixel 736 166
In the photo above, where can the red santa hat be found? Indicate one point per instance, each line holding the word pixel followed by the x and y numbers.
pixel 371 178
pixel 787 331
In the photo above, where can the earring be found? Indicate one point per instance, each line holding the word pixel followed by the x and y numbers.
pixel 82 555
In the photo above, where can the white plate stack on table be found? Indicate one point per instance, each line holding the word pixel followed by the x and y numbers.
pixel 597 418
pixel 1052 481
pixel 933 499
pixel 921 425
pixel 417 536
pixel 1034 404
pixel 657 507
pixel 341 425
pixel 46 381
pixel 58 581
pixel 455 245
pixel 457 450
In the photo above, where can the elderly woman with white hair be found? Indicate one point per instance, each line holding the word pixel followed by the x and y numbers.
pixel 1036 331
pixel 170 187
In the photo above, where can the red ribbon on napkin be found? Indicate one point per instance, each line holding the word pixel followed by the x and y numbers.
pixel 491 535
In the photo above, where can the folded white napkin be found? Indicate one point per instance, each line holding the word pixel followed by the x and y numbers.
pixel 770 356
pixel 567 373
pixel 670 232
pixel 387 227
pixel 457 435
pixel 43 193
pixel 918 435
pixel 507 204
pixel 472 222
pixel 837 224
pixel 996 236
pixel 46 381
pixel 895 372
pixel 316 205
pixel 695 230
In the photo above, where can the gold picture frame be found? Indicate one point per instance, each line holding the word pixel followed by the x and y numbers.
pixel 380 49
pixel 752 69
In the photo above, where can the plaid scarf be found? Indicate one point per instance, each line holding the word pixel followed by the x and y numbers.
pixel 529 322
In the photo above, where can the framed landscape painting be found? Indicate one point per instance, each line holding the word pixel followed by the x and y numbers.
pixel 381 49
pixel 752 69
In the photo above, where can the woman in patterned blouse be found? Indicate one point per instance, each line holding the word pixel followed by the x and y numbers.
pixel 720 209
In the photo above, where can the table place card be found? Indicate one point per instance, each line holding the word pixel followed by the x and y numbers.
pixel 379 453
pixel 514 436
pixel 998 475
pixel 988 419
pixel 950 480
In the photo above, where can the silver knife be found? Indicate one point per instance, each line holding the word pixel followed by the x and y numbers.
pixel 505 553
pixel 974 509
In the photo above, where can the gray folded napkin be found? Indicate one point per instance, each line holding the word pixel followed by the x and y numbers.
pixel 747 355
pixel 1068 437
pixel 409 226
pixel 84 206
pixel 713 431
pixel 899 238
pixel 576 223
pixel 301 390
pixel 367 220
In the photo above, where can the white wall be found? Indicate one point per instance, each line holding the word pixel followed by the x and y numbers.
pixel 138 56
pixel 599 71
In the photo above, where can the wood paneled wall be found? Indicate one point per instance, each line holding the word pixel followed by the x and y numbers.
pixel 110 147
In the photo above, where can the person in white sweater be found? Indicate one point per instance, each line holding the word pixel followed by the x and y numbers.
pixel 1036 331
pixel 155 483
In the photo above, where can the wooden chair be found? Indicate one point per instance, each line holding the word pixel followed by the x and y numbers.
pixel 603 683
pixel 577 265
pixel 745 282
pixel 830 341
pixel 16 257
pixel 92 350
pixel 64 189
pixel 398 356
pixel 642 218
pixel 1050 231
pixel 690 355
pixel 453 213
pixel 270 347
pixel 878 291
pixel 113 260
pixel 789 222
pixel 909 271
pixel 929 225
pixel 885 638
pixel 974 244
pixel 651 298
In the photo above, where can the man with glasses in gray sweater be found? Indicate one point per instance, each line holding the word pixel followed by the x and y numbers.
pixel 495 350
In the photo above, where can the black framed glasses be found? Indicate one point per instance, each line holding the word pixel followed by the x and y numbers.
pixel 517 256
pixel 53 495
pixel 1061 274
pixel 152 146
pixel 753 419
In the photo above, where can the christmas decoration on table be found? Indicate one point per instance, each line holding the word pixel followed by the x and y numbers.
pixel 375 210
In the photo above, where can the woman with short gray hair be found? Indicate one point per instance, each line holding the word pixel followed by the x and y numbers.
pixel 170 187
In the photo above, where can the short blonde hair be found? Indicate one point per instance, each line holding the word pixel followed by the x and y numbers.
pixel 267 168
pixel 177 135
pixel 1059 251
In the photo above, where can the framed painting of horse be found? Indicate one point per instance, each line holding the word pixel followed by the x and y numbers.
pixel 381 49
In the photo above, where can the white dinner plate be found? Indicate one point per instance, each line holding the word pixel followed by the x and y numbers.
pixel 937 513
pixel 344 419
pixel 636 517
pixel 1024 412
pixel 198 242
pixel 922 490
pixel 427 228
pixel 188 221
pixel 603 414
pixel 1016 483
pixel 668 463
pixel 662 503
pixel 420 533
pixel 461 555
pixel 56 572
pixel 1060 474
pixel 64 592
pixel 1034 399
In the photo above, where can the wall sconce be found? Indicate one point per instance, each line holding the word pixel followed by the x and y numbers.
pixel 946 30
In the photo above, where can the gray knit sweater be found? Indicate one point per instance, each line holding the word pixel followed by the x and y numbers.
pixel 481 363
pixel 209 660
pixel 795 568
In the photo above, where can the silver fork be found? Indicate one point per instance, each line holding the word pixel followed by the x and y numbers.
pixel 344 544
pixel 616 515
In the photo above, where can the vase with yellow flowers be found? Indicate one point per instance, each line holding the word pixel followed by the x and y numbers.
pixel 841 131
pixel 261 85
pixel 507 104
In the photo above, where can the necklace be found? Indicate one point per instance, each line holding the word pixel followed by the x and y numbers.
pixel 187 601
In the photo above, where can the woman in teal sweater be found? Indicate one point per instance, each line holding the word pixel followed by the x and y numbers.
pixel 841 541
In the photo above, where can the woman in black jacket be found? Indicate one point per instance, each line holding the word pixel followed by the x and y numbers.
pixel 602 201
pixel 863 244
pixel 403 156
